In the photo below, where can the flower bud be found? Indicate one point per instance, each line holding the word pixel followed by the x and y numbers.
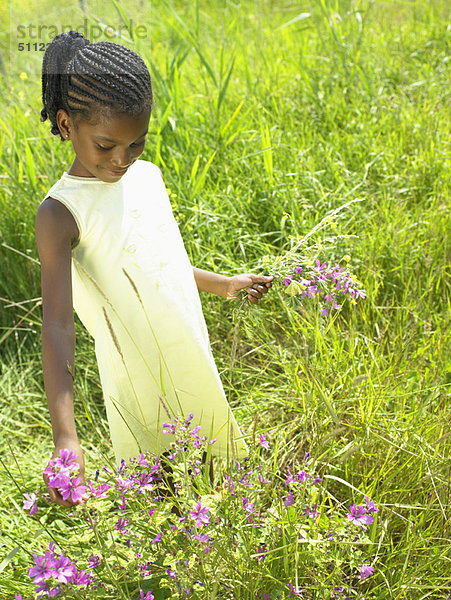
pixel 294 288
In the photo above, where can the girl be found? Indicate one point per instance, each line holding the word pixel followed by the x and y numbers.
pixel 110 247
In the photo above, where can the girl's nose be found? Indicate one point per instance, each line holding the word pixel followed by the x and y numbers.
pixel 121 159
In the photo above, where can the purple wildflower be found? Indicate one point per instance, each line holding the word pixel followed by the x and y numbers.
pixel 43 568
pixel 125 483
pixel 289 500
pixel 94 561
pixel 63 569
pixel 66 461
pixel 157 538
pixel 289 478
pixel 43 587
pixel 229 483
pixel 287 280
pixel 366 571
pixel 298 269
pixel 148 596
pixel 73 489
pixel 359 516
pixel 200 514
pixel 169 428
pixel 57 480
pixel 262 551
pixel 302 476
pixel 201 538
pixel 312 513
pixel 296 591
pixel 263 479
pixel 83 578
pixel 370 506
pixel 100 491
pixel 263 441
pixel 121 526
pixel 30 503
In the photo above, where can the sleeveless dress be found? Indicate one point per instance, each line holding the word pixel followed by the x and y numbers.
pixel 134 291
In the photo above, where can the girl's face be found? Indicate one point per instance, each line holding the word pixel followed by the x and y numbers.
pixel 106 149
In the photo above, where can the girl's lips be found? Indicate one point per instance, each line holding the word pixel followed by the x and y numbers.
pixel 118 173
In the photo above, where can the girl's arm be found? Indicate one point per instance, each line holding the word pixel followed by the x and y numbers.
pixel 211 282
pixel 227 287
pixel 55 232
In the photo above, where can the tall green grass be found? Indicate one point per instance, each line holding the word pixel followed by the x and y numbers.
pixel 267 117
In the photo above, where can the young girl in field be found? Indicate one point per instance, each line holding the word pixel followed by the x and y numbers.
pixel 110 247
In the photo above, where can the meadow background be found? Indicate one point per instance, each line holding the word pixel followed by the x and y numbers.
pixel 268 116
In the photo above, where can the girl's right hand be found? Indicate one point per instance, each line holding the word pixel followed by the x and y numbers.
pixel 70 444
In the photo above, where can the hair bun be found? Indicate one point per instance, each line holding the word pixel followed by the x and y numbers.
pixel 73 41
pixel 62 49
pixel 77 39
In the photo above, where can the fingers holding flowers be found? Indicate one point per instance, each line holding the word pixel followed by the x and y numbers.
pixel 257 286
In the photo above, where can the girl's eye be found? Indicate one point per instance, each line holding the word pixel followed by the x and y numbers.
pixel 111 147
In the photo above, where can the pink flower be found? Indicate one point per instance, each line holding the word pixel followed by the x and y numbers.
pixel 100 491
pixel 289 478
pixel 302 476
pixel 289 500
pixel 358 514
pixel 262 551
pixel 125 483
pixel 200 515
pixel 366 571
pixel 121 526
pixel 263 441
pixel 43 568
pixel 30 503
pixel 58 480
pixel 142 460
pixel 203 538
pixel 63 570
pixel 83 578
pixel 66 461
pixel 370 506
pixel 296 591
pixel 73 489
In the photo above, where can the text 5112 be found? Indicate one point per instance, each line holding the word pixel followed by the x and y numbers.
pixel 32 47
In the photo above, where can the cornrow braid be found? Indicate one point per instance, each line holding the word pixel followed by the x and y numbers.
pixel 82 78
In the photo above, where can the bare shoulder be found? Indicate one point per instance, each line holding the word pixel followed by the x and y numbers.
pixel 55 224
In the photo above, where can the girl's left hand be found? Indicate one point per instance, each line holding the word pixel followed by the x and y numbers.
pixel 258 285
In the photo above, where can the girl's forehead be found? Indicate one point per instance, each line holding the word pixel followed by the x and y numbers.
pixel 118 127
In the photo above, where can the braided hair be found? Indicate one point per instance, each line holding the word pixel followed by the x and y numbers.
pixel 86 79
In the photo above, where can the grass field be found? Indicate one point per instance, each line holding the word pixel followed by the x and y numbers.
pixel 269 116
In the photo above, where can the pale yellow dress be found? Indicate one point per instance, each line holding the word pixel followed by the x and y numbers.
pixel 135 292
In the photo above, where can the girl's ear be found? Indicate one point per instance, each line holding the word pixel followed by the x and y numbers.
pixel 64 123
